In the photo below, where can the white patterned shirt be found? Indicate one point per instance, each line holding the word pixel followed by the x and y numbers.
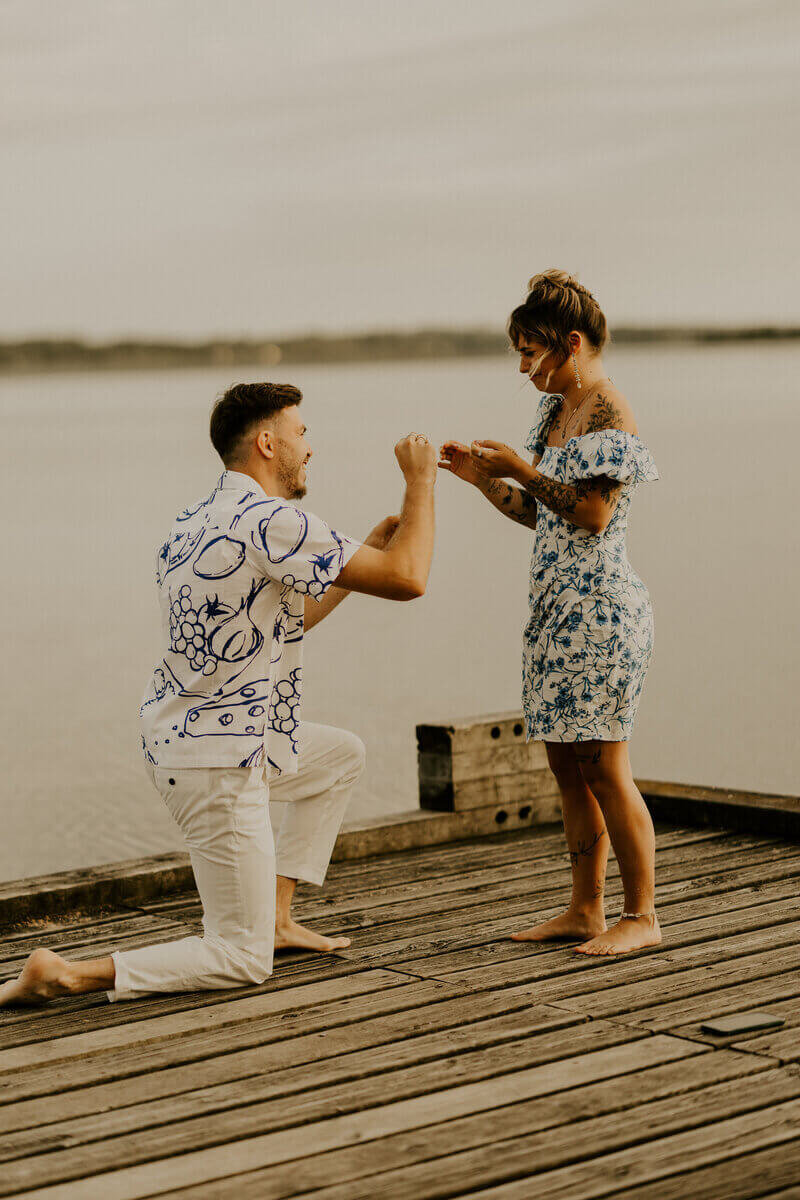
pixel 232 577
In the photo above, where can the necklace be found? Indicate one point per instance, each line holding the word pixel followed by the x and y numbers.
pixel 569 423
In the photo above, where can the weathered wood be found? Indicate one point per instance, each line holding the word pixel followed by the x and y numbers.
pixel 527 1155
pixel 89 1058
pixel 485 762
pixel 783 1044
pixel 531 791
pixel 760 812
pixel 464 734
pixel 739 1178
pixel 491 1031
pixel 346 1082
pixel 608 1173
pixel 197 1166
pixel 677 934
pixel 674 1015
pixel 492 1123
pixel 540 873
pixel 435 1055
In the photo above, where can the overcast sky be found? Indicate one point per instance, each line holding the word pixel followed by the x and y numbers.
pixel 189 167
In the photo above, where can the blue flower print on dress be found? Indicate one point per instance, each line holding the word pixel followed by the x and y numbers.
pixel 589 636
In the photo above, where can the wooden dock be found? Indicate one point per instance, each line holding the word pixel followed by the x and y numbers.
pixel 435 1058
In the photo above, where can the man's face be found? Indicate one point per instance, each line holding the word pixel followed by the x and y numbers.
pixel 292 452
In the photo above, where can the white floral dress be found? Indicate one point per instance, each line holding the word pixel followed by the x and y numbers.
pixel 589 637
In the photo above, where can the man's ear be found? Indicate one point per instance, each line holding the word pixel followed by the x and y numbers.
pixel 265 443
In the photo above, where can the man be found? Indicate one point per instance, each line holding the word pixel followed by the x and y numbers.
pixel 242 576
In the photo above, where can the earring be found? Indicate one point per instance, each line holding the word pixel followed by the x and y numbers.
pixel 575 369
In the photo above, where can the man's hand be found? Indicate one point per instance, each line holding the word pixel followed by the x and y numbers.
pixel 496 459
pixel 382 534
pixel 416 457
pixel 456 458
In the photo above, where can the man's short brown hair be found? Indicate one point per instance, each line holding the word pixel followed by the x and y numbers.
pixel 241 408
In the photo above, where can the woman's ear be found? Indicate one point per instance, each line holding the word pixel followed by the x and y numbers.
pixel 575 340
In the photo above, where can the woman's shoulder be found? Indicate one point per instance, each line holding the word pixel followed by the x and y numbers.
pixel 608 409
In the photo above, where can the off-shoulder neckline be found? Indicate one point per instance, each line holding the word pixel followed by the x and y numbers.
pixel 579 436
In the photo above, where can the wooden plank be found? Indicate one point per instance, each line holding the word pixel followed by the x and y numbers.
pixel 544 965
pixel 151 931
pixel 490 1125
pixel 533 790
pixel 198 1166
pixel 463 734
pixel 609 1173
pixel 311 1091
pixel 79 1013
pixel 270 1016
pixel 74 1130
pixel 450 859
pixel 783 1044
pixel 687 1013
pixel 709 977
pixel 404 901
pixel 485 935
pixel 541 857
pixel 735 1178
pixel 66 940
pixel 526 846
pixel 87 888
pixel 787 1008
pixel 760 812
pixel 448 1173
pixel 677 933
pixel 488 761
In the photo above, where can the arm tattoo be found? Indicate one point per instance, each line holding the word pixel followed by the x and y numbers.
pixel 564 498
pixel 585 848
pixel 512 501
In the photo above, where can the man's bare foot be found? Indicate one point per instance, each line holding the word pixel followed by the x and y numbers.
pixel 573 925
pixel 628 934
pixel 44 977
pixel 291 936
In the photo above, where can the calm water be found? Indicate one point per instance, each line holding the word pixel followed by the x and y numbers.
pixel 96 466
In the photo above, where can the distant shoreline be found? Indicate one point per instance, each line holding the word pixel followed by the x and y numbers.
pixel 32 355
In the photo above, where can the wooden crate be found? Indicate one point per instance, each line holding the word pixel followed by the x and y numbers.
pixel 478 762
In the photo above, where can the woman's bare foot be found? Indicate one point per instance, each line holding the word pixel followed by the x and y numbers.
pixel 291 936
pixel 573 925
pixel 628 934
pixel 44 977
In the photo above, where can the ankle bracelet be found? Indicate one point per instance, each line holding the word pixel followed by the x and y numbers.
pixel 632 916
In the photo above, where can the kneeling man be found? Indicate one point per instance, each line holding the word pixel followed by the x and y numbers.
pixel 242 576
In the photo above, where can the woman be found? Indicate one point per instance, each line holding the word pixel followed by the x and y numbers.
pixel 588 641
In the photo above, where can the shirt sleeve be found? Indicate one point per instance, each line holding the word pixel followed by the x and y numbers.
pixel 299 550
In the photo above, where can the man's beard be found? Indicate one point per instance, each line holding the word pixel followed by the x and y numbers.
pixel 290 480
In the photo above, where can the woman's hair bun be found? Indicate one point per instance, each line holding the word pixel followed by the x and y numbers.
pixel 557 303
pixel 555 280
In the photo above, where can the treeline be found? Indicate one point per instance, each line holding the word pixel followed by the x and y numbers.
pixel 63 354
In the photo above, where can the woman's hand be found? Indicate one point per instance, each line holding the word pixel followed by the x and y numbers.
pixel 456 458
pixel 382 534
pixel 496 459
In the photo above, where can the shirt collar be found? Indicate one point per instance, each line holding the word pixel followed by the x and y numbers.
pixel 238 481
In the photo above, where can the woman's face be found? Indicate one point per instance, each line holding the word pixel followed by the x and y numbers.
pixel 542 366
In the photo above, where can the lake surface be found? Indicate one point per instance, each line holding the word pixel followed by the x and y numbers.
pixel 96 466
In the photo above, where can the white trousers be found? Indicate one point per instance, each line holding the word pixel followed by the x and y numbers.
pixel 223 813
